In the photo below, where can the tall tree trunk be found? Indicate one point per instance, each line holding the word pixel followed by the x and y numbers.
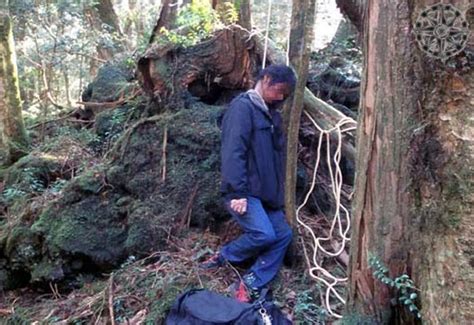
pixel 353 9
pixel 302 22
pixel 168 13
pixel 100 14
pixel 105 9
pixel 413 192
pixel 223 7
pixel 67 88
pixel 14 133
pixel 245 15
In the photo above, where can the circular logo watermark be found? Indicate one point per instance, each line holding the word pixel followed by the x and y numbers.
pixel 441 31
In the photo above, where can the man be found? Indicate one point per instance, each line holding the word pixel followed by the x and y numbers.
pixel 252 154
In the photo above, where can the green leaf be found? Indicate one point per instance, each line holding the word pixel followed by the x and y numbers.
pixel 408 302
pixel 413 296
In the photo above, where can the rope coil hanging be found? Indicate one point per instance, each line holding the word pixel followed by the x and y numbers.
pixel 316 270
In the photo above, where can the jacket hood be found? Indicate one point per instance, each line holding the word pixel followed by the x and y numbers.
pixel 258 101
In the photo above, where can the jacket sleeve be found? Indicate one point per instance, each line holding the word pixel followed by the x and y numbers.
pixel 235 143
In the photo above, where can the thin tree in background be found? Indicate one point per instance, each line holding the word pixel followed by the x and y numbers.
pixel 14 134
pixel 108 16
pixel 102 17
pixel 302 21
pixel 166 19
pixel 245 15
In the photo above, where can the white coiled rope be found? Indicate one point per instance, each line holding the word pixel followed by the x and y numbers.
pixel 316 270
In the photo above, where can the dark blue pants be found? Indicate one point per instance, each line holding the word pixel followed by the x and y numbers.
pixel 266 236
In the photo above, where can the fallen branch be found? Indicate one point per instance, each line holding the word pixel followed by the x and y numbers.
pixel 6 312
pixel 111 299
pixel 186 215
pixel 55 291
pixel 327 117
pixel 113 104
pixel 122 142
pixel 52 120
pixel 163 155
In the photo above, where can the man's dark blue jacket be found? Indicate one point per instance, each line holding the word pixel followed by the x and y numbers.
pixel 252 152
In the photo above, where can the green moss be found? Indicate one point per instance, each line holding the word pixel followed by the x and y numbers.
pixel 17 142
pixel 448 179
pixel 4 231
pixel 22 248
pixel 29 176
pixel 91 182
pixel 46 271
pixel 163 297
pixel 91 227
pixel 358 319
pixel 14 235
pixel 3 170
pixel 458 186
pixel 123 207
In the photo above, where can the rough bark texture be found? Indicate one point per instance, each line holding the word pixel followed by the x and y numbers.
pixel 14 132
pixel 413 198
pixel 302 21
pixel 107 15
pixel 100 14
pixel 168 13
pixel 353 9
pixel 229 60
pixel 245 16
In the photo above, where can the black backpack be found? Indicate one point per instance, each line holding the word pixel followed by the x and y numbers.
pixel 203 307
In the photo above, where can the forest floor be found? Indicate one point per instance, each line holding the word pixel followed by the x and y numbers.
pixel 142 291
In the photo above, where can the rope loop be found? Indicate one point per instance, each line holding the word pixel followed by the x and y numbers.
pixel 316 270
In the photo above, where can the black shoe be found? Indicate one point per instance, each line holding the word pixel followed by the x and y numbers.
pixel 215 261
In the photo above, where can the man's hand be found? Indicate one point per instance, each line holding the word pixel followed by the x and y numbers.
pixel 239 206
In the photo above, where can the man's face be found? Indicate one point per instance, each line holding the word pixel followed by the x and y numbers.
pixel 273 94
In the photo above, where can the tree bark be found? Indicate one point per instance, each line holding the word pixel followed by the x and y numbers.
pixel 229 60
pixel 105 9
pixel 353 9
pixel 245 15
pixel 413 192
pixel 302 22
pixel 100 14
pixel 67 88
pixel 168 13
pixel 14 133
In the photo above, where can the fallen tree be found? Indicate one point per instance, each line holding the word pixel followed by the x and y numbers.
pixel 219 66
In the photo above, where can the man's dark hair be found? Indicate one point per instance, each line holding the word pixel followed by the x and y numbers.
pixel 279 73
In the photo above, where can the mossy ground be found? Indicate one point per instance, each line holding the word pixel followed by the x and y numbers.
pixel 161 175
pixel 144 290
